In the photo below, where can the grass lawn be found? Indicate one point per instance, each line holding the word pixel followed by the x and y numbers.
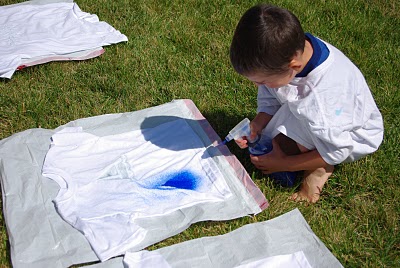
pixel 179 50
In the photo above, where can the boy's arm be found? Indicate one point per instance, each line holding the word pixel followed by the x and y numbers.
pixel 259 123
pixel 266 101
pixel 267 105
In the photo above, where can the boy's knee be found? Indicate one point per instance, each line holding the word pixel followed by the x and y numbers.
pixel 302 148
pixel 287 145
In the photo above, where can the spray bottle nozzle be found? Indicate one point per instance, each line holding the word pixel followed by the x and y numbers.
pixel 242 129
pixel 223 142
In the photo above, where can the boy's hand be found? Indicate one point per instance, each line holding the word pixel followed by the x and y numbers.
pixel 271 162
pixel 254 131
pixel 242 143
pixel 256 126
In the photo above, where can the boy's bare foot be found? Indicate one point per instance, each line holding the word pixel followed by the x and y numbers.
pixel 312 184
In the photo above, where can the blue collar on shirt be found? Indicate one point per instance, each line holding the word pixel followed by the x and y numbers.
pixel 320 54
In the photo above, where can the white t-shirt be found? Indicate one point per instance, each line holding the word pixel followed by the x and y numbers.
pixel 331 109
pixel 108 183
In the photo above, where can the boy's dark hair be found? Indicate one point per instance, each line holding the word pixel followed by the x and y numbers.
pixel 265 40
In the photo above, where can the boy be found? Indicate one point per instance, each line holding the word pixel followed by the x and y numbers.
pixel 312 100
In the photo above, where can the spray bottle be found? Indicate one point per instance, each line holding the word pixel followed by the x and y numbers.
pixel 261 145
pixel 239 131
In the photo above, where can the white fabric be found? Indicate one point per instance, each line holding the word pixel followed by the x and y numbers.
pixel 30 31
pixel 295 260
pixel 331 109
pixel 108 183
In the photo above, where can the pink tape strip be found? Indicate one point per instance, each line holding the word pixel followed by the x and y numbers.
pixel 240 171
pixel 90 55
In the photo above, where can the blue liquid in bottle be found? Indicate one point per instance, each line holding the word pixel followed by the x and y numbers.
pixel 264 146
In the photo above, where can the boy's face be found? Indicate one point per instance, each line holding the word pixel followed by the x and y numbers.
pixel 272 81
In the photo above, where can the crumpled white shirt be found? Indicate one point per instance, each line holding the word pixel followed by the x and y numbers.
pixel 30 31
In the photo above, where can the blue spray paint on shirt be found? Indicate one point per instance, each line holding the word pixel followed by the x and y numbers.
pixel 185 180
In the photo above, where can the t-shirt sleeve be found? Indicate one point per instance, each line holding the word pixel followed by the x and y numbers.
pixel 337 145
pixel 266 102
pixel 334 145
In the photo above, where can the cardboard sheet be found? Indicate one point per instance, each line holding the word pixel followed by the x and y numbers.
pixel 251 245
pixel 40 238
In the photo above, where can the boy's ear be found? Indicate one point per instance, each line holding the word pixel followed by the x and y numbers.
pixel 296 63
